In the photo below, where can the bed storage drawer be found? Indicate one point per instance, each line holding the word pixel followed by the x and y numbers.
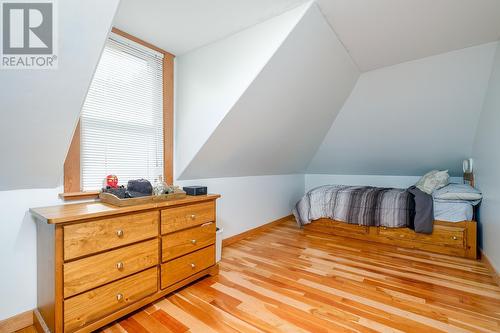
pixel 338 228
pixel 92 305
pixel 189 240
pixel 184 217
pixel 87 273
pixel 444 235
pixel 183 267
pixel 92 237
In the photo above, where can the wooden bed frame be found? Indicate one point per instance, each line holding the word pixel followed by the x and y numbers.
pixel 452 238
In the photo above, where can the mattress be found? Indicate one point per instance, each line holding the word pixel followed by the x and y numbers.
pixel 454 211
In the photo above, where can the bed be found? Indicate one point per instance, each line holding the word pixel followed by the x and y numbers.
pixel 391 216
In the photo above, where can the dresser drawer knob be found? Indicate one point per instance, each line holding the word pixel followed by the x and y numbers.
pixel 119 233
pixel 193 241
pixel 193 216
pixel 193 266
pixel 119 266
pixel 454 237
pixel 119 297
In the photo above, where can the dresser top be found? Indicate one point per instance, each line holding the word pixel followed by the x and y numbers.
pixel 87 210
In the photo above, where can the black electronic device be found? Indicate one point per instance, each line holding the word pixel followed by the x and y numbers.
pixel 195 190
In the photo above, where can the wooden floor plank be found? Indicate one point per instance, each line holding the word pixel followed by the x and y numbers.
pixel 170 322
pixel 291 280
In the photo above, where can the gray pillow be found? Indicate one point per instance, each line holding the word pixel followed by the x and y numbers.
pixel 433 180
pixel 458 192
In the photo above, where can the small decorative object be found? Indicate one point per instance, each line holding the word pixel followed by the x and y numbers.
pixel 468 165
pixel 159 187
pixel 112 181
pixel 172 189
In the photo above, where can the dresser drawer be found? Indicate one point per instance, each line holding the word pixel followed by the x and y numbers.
pixel 184 217
pixel 181 242
pixel 183 267
pixel 91 237
pixel 443 235
pixel 87 273
pixel 92 305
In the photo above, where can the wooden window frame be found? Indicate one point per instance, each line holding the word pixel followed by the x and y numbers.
pixel 72 164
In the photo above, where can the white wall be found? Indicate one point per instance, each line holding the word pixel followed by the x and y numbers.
pixel 315 180
pixel 18 248
pixel 40 108
pixel 277 124
pixel 248 202
pixel 487 167
pixel 209 80
pixel 409 118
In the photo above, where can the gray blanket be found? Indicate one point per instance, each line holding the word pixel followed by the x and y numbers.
pixel 368 206
pixel 423 219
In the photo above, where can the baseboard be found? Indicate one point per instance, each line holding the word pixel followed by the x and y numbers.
pixel 251 232
pixel 487 263
pixel 39 323
pixel 17 322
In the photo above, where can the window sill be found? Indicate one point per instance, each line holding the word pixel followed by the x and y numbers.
pixel 79 195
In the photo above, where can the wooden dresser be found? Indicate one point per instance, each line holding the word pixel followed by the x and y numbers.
pixel 97 262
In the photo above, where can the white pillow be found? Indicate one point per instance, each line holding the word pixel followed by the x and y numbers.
pixel 433 180
pixel 458 192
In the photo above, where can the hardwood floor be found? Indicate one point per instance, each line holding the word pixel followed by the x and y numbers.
pixel 30 329
pixel 289 280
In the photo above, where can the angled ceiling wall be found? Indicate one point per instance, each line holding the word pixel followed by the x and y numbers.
pixel 40 108
pixel 387 32
pixel 410 118
pixel 211 79
pixel 180 26
pixel 276 125
pixel 376 33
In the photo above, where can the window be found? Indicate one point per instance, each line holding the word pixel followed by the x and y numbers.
pixel 126 121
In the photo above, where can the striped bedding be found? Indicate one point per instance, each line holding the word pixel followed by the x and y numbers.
pixel 361 205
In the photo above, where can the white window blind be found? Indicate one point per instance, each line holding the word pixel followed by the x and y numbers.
pixel 122 117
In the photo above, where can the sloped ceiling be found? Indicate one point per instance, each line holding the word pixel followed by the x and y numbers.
pixel 379 33
pixel 210 80
pixel 40 108
pixel 179 26
pixel 282 117
pixel 410 118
